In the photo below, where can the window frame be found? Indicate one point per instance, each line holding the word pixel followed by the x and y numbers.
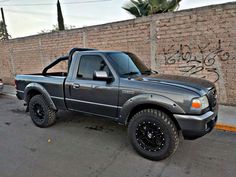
pixel 111 60
pixel 93 54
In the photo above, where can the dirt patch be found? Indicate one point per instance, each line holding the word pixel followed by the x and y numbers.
pixel 8 123
pixel 97 128
pixel 33 149
pixel 100 128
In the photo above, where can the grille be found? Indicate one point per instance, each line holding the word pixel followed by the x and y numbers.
pixel 212 97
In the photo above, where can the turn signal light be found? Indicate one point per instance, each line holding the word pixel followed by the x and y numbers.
pixel 196 104
pixel 200 103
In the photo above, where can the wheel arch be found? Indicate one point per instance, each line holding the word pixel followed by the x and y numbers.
pixel 33 89
pixel 141 107
pixel 147 101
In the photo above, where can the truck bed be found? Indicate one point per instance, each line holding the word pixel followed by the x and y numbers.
pixel 52 82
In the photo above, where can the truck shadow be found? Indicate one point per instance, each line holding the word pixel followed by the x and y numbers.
pixel 90 122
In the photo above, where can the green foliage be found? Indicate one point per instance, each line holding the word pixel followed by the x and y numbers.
pixel 55 28
pixel 140 8
pixel 3 34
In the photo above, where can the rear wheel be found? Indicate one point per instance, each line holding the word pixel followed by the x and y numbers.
pixel 153 134
pixel 41 114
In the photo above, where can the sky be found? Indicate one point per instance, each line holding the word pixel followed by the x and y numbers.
pixel 29 17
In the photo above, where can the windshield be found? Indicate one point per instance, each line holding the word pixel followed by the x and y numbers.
pixel 127 64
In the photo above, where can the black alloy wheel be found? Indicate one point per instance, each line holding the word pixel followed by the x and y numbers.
pixel 41 113
pixel 153 134
pixel 150 136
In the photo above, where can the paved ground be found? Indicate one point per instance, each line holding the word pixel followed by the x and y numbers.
pixel 83 146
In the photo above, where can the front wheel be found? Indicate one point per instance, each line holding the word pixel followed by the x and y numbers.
pixel 153 134
pixel 40 112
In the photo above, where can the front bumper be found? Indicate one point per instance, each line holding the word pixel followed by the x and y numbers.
pixel 195 126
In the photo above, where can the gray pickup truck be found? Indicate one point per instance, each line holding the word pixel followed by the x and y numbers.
pixel 156 108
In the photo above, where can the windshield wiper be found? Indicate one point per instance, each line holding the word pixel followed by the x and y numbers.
pixel 150 71
pixel 130 73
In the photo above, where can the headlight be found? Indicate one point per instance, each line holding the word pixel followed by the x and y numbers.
pixel 200 103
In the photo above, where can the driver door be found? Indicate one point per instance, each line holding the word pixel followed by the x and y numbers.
pixel 92 96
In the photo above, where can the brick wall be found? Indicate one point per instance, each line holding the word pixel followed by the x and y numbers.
pixel 197 42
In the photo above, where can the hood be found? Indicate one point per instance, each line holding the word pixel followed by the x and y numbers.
pixel 200 86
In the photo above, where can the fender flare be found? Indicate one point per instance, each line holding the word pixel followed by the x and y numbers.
pixel 143 99
pixel 40 89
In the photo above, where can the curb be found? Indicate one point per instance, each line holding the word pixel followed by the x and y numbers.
pixel 225 127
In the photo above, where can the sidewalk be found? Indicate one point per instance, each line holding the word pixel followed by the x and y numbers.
pixel 9 90
pixel 226 117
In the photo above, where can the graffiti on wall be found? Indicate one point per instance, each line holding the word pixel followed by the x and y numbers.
pixel 198 59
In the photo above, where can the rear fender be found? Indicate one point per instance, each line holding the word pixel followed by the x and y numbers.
pixel 39 88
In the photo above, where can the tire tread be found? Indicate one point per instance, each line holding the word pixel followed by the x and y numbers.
pixel 51 118
pixel 160 115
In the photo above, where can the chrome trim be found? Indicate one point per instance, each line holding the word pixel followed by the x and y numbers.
pixel 101 115
pixel 88 102
pixel 196 117
pixel 20 91
pixel 61 98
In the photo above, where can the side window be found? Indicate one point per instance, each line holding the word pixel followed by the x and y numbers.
pixel 90 63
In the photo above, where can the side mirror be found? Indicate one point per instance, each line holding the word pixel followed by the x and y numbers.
pixel 101 76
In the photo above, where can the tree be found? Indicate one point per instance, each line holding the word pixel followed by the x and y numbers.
pixel 3 34
pixel 2 31
pixel 140 8
pixel 60 19
pixel 55 29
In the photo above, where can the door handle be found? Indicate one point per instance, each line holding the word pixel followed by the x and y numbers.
pixel 75 86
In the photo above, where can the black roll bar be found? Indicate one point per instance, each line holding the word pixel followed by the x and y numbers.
pixel 64 58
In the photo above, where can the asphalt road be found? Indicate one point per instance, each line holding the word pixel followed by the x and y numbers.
pixel 86 146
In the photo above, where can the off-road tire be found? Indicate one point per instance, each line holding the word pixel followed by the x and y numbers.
pixel 153 118
pixel 49 115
